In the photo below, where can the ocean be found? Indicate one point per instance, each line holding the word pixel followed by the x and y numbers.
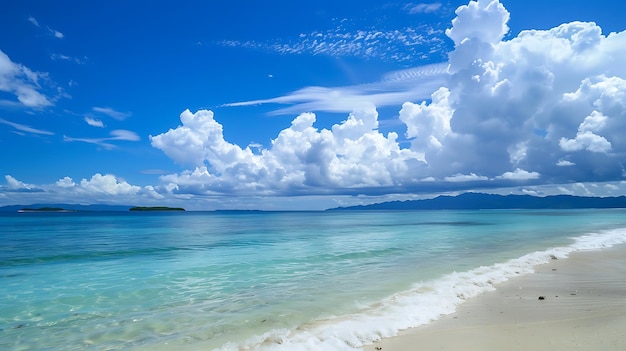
pixel 264 280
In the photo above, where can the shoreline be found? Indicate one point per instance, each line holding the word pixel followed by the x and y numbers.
pixel 583 307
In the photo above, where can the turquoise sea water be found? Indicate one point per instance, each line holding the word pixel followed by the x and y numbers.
pixel 247 281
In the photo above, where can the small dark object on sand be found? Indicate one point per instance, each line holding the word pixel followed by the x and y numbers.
pixel 542 297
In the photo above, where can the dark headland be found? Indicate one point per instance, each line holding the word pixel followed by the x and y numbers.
pixel 479 201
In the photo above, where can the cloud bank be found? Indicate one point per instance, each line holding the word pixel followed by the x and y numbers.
pixel 544 107
pixel 542 112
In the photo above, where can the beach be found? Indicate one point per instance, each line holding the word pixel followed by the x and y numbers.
pixel 576 303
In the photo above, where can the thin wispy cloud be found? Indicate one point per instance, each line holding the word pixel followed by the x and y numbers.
pixel 55 33
pixel 116 135
pixel 422 8
pixel 61 57
pixel 25 128
pixel 32 20
pixel 398 45
pixel 395 88
pixel 120 116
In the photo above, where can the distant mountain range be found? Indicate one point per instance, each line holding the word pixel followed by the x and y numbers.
pixel 72 207
pixel 479 201
pixel 466 201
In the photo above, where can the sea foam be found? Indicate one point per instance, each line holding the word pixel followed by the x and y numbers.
pixel 423 303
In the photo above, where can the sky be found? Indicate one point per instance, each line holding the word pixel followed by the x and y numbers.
pixel 292 105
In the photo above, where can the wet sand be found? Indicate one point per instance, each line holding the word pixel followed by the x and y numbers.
pixel 577 303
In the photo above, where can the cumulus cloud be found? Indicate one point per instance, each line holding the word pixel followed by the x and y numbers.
pixel 302 159
pixel 99 188
pixel 538 102
pixel 507 111
pixel 20 81
pixel 65 182
pixel 105 184
pixel 519 174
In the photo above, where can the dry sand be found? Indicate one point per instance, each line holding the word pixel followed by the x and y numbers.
pixel 583 308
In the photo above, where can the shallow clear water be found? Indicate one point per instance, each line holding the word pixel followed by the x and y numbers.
pixel 297 280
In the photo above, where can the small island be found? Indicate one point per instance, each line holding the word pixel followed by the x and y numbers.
pixel 155 208
pixel 44 209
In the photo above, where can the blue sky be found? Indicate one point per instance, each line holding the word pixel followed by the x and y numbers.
pixel 293 105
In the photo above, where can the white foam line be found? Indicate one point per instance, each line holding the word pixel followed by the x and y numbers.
pixel 424 303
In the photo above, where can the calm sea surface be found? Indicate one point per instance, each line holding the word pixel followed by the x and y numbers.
pixel 248 281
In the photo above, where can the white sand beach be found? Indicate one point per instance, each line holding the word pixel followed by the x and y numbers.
pixel 577 303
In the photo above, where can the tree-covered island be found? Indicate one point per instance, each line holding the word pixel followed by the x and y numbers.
pixel 155 208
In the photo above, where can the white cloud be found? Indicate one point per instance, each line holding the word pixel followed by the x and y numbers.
pixel 565 163
pixel 62 57
pixel 428 124
pixel 107 184
pixel 541 101
pixel 481 21
pixel 392 90
pixel 56 33
pixel 25 128
pixel 122 134
pixel 99 188
pixel 15 184
pixel 53 32
pixel 23 83
pixel 585 138
pixel 512 112
pixel 94 122
pixel 418 42
pixel 65 182
pixel 112 113
pixel 465 178
pixel 422 8
pixel 116 135
pixel 581 189
pixel 32 20
pixel 302 159
pixel 531 192
pixel 586 141
pixel 519 174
